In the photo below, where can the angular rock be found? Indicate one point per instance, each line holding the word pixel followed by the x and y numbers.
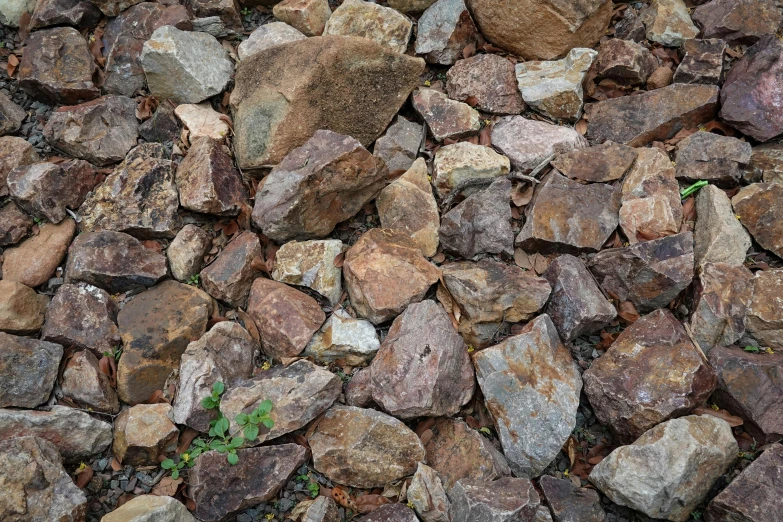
pixel 530 371
pixel 668 22
pixel 156 327
pixel 14 224
pixel 759 207
pixel 84 316
pixel 625 61
pixel 528 143
pixel 629 26
pixel 490 80
pixel 718 236
pixel 21 309
pixel 308 16
pixel 266 36
pixel 229 276
pixel 358 391
pixel 380 24
pixel 150 507
pixel 85 384
pixel 100 131
pixel 344 340
pixel 381 449
pixel 14 152
pixel 648 274
pixel 391 513
pixel 605 162
pixel 503 500
pixel 311 264
pixel 144 433
pixel 35 260
pixel 765 315
pixel 555 88
pixel 655 115
pixel 11 116
pixel 738 21
pixel 186 252
pixel 323 509
pixel 77 13
pixel 702 63
pixel 286 318
pixel 669 470
pixel 384 272
pixel 400 145
pixel 29 370
pixel 202 121
pixel 227 11
pixel 12 11
pixel 114 7
pixel 57 67
pixel 569 502
pixel 410 6
pixel 163 125
pixel 456 163
pixel 766 158
pixel 427 496
pixel 444 30
pixel 445 118
pixel 326 181
pixel 712 157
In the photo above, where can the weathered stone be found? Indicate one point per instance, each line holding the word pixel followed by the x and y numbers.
pixel 456 452
pixel 760 209
pixel 84 383
pixel 410 6
pixel 156 327
pixel 629 26
pixel 220 489
pixel 143 508
pixel 358 391
pixel 35 485
pixel 718 236
pixel 407 205
pixel 528 143
pixel 21 309
pixel 669 470
pixel 385 272
pixel 765 315
pixel 29 369
pixel 702 63
pixel 77 13
pixel 100 131
pixel 480 224
pixel 445 118
pixel 308 16
pixel 531 371
pixel 517 25
pixel 266 36
pixel 75 433
pixel 668 22
pixel 84 316
pixel 322 509
pixel 14 224
pixel 457 163
pixel 503 500
pixel 567 216
pixel 489 292
pixel 185 66
pixel 286 318
pixel 712 157
pixel 738 21
pixel 14 152
pixel 655 115
pixel 311 264
pixel 444 30
pixel 427 496
pixel 162 126
pixel 648 274
pixel 490 80
pixel 229 276
pixel 380 24
pixel 344 340
pixel 391 513
pixel 57 67
pixel 186 252
pixel 625 61
pixel 569 502
pixel 325 181
pixel 11 116
pixel 114 7
pixel 605 162
pixel 202 121
pixel 226 10
pixel 661 77
pixel 144 433
pixel 380 448
pixel 747 102
pixel 555 88
pixel 35 260
pixel 767 158
pixel 400 145
pixel 12 11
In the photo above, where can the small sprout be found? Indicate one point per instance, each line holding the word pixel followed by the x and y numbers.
pixel 566 473
pixel 752 349
pixel 684 193
pixel 410 504
pixel 269 516
pixel 770 351
pixel 714 406
pixel 39 221
pixel 314 489
pixel 115 353
pixel 194 279
pixel 485 431
pixel 470 348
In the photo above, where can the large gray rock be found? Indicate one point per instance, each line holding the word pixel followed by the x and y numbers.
pixel 28 370
pixel 444 30
pixel 504 500
pixel 718 236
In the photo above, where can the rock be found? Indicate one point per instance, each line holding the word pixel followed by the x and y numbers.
pixel 747 104
pixel 21 309
pixel 400 145
pixel 718 236
pixel 163 126
pixel 767 158
pixel 759 207
pixel 490 80
pixel 555 88
pixel 630 26
pixel 322 509
pixel 765 316
pixel 380 24
pixel 307 16
pixel 113 261
pixel 83 316
pixel 480 224
pixel 456 163
pixel 299 393
pixel 381 449
pixel 503 500
pixel 143 434
pixel 444 30
pixel 14 224
pixel 86 385
pixel 225 353
pixel 702 63
pixel 625 61
pixel 528 143
pixel 184 66
pixel 14 152
pixel 457 452
pixel 156 327
pixel 229 276
pixel 410 6
pixel 530 371
pixel 186 252
pixel 487 293
pixel 75 433
pixel 712 157
pixel 326 181
pixel 738 21
pixel 45 190
pixel 669 470
pixel 516 26
pixel 384 272
pixel 11 116
pixel 569 502
pixel 343 340
pixel 651 206
pixel 661 77
pixel 358 391
pixel 37 487
pixel 445 118
pixel 29 370
pixel 78 13
pixel 139 198
pixel 391 513
pixel 100 131
pixel 150 507
pixel 286 318
pixel 654 115
pixel 311 264
pixel 427 496
pixel 114 7
pixel 221 489
pixel 591 216
pixel 35 260
pixel 407 205
pixel 57 67
pixel 668 22
pixel 227 11
pixel 202 121
pixel 12 11
pixel 266 36
pixel 608 161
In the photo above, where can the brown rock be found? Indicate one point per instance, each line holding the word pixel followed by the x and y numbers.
pixel 311 264
pixel 84 383
pixel 143 433
pixel 738 21
pixel 28 368
pixel 668 22
pixel 528 143
pixel 605 162
pixel 445 118
pixel 11 116
pixel 226 10
pixel 78 13
pixel 230 275
pixel 490 80
pixel 718 236
pixel 358 392
pixel 660 78
pixel 630 26
pixel 391 513
pixel 715 158
pixel 625 61
pixel 186 253
pixel 163 125
pixel 569 502
pixel 308 16
pixel 21 309
pixel 765 315
pixel 702 63
pixel 374 22
pixel 410 6
pixel 400 145
pixel 14 224
pixel 768 159
pixel 508 498
pixel 444 31
pixel 113 7
pixel 760 209
pixel 35 260
pixel 14 152
pixel 427 496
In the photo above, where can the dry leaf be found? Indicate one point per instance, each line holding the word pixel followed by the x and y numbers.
pixel 83 476
pixel 522 195
pixel 167 487
pixel 185 438
pixel 108 367
pixel 627 311
pixel 522 259
pixel 339 259
pixel 13 63
pixel 581 126
pixel 718 125
pixel 571 450
pixel 115 464
pixel 469 50
pixel 439 258
pixel 157 397
pixel 369 503
pixel 733 420
pixel 343 498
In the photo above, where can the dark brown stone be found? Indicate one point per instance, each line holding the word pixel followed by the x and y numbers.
pixel 605 162
pixel 625 61
pixel 208 182
pixel 28 370
pixel 226 10
pixel 114 7
pixel 488 78
pixel 445 118
pixel 163 126
pixel 14 152
pixel 570 503
pixel 230 275
pixel 78 13
pixel 11 115
pixel 86 385
pixel 760 209
pixel 504 499
pixel 702 63
pixel 712 157
pixel 14 224
pixel 738 21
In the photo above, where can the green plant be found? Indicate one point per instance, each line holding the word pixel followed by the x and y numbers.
pixel 114 353
pixel 213 401
pixel 684 193
pixel 313 487
pixel 184 460
pixel 39 221
pixel 752 349
pixel 193 280
pixel 250 422
pixel 245 11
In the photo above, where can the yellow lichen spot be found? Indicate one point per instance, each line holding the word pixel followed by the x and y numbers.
pixel 738 217
pixel 410 504
pixel 269 516
pixel 427 83
pixel 770 351
pixel 566 473
pixel 470 348
pixel 714 407
pixel 266 365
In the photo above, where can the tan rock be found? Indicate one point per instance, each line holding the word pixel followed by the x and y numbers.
pixel 186 252
pixel 765 314
pixel 445 118
pixel 143 433
pixel 668 22
pixel 605 162
pixel 266 36
pixel 308 16
pixel 21 309
pixel 344 340
pixel 84 383
pixel 368 20
pixel 760 209
pixel 311 264
pixel 202 121
pixel 34 261
pixel 150 507
pixel 718 236
pixel 14 152
pixel 459 162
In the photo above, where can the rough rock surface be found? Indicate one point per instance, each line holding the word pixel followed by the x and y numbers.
pixel 738 21
pixel 702 63
pixel 391 513
pixel 668 22
pixel 144 433
pixel 718 236
pixel 625 61
pixel 266 36
pixel 605 162
pixel 202 121
pixel 716 158
pixel 765 315
pixel 21 309
pixel 186 252
pixel 528 143
pixel 427 495
pixel 344 340
pixel 11 116
pixel 29 369
pixel 382 25
pixel 14 224
pixel 229 276
pixel 457 163
pixel 84 316
pixel 505 499
pixel 445 118
pixel 489 78
pixel 308 16
pixel 767 158
pixel 400 144
pixel 569 502
pixel 35 260
pixel 14 152
pixel 759 207
pixel 84 383
pixel 207 181
pixel 150 507
pixel 444 30
pixel 311 264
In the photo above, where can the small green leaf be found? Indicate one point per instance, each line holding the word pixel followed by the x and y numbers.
pixel 242 419
pixel 232 458
pixel 264 407
pixel 175 474
pixel 208 403
pixel 218 388
pixel 251 432
pixel 254 418
pixel 167 464
pixel 269 423
pixel 752 349
pixel 237 442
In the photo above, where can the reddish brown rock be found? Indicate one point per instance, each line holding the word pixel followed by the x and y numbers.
pixel 702 63
pixel 286 318
pixel 760 209
pixel 35 260
pixel 712 157
pixel 569 502
pixel 505 499
pixel 11 116
pixel 14 152
pixel 625 61
pixel 226 10
pixel 490 80
pixel 765 315
pixel 605 162
pixel 21 309
pixel 77 13
pixel 738 21
pixel 230 275
pixel 86 385
pixel 660 78
pixel 358 392
pixel 445 29
pixel 445 118
pixel 143 434
pixel 718 236
pixel 28 368
pixel 308 16
pixel 765 159
pixel 14 224
pixel 391 513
